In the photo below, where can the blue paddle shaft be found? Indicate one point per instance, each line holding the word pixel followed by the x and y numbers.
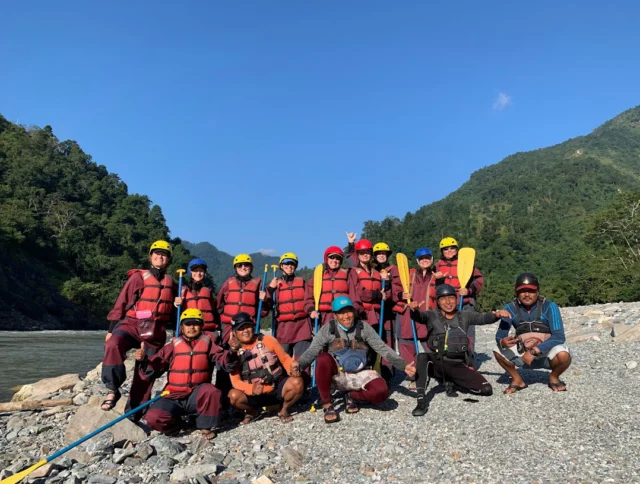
pixel 179 306
pixel 415 336
pixel 264 284
pixel 104 427
pixel 313 368
pixel 381 324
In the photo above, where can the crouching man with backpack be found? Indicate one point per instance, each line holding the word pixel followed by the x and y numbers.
pixel 346 363
pixel 449 358
pixel 539 341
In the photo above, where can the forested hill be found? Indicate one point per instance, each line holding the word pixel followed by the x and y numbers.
pixel 69 232
pixel 570 213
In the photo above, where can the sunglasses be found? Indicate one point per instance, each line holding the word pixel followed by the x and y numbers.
pixel 451 247
pixel 366 251
pixel 192 323
pixel 160 253
pixel 244 264
pixel 334 257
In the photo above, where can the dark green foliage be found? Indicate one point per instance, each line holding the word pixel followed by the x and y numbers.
pixel 71 220
pixel 535 212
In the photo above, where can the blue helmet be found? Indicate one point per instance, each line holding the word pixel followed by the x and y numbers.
pixel 194 263
pixel 341 302
pixel 422 252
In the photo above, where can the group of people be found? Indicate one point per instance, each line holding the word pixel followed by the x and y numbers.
pixel 427 331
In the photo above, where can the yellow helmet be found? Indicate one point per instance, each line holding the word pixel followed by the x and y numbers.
pixel 448 242
pixel 242 258
pixel 160 245
pixel 191 314
pixel 289 255
pixel 380 247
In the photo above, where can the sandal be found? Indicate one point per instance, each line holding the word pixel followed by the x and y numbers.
pixel 285 417
pixel 515 388
pixel 330 412
pixel 109 403
pixel 350 405
pixel 208 434
pixel 248 418
pixel 560 386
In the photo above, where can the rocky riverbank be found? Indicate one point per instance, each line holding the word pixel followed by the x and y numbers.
pixel 586 434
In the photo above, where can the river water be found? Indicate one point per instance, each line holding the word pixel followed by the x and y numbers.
pixel 29 356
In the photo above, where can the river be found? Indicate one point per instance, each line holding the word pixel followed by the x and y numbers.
pixel 29 356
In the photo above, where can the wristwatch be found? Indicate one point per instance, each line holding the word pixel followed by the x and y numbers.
pixel 533 352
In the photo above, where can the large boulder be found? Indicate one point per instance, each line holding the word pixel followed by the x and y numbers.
pixel 89 418
pixel 47 386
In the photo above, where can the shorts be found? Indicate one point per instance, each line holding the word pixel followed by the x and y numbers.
pixel 268 399
pixel 542 361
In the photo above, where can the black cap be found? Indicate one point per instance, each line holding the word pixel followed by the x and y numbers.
pixel 241 319
pixel 527 280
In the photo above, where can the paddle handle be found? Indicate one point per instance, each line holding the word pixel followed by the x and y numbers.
pixel 381 324
pixel 180 272
pixel 264 284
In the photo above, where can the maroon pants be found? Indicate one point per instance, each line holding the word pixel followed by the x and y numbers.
pixel 375 391
pixel 128 334
pixel 203 403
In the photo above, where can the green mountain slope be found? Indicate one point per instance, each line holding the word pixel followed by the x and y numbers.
pixel 535 211
pixel 69 232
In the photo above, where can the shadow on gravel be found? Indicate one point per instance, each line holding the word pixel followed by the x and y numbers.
pixel 530 376
pixel 481 358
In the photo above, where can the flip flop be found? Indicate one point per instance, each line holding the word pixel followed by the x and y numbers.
pixel 556 386
pixel 248 418
pixel 110 402
pixel 515 388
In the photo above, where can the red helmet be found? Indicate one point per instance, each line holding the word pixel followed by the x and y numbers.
pixel 363 244
pixel 334 249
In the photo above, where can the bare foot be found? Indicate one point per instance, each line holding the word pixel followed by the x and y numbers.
pixel 208 434
pixel 284 416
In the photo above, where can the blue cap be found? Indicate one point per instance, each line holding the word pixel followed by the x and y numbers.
pixel 341 302
pixel 194 263
pixel 422 252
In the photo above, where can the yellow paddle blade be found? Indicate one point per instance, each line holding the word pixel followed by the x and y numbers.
pixel 317 284
pixel 21 475
pixel 403 269
pixel 466 260
pixel 377 366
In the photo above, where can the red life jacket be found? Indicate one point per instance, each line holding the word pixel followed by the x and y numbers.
pixel 332 287
pixel 241 298
pixel 156 297
pixel 200 300
pixel 190 366
pixel 371 282
pixel 260 363
pixel 400 306
pixel 290 298
pixel 450 270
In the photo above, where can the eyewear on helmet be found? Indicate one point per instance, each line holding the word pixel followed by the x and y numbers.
pixel 244 264
pixel 451 247
pixel 160 252
pixel 289 263
pixel 334 257
pixel 198 269
pixel 365 251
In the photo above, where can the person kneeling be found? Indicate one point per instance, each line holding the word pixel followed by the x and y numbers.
pixel 190 359
pixel 539 341
pixel 347 365
pixel 450 358
pixel 260 379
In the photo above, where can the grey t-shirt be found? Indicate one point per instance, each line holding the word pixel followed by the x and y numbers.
pixel 324 338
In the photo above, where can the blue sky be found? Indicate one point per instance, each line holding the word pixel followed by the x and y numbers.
pixel 284 124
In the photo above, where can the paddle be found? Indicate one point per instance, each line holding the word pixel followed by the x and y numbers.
pixel 180 272
pixel 377 367
pixel 403 269
pixel 264 284
pixel 274 323
pixel 318 272
pixel 21 475
pixel 466 259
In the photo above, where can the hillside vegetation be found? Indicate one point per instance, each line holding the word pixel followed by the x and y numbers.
pixel 559 212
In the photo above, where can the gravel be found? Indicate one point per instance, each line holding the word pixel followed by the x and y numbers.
pixel 587 434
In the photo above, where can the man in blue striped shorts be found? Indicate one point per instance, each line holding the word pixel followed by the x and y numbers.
pixel 539 340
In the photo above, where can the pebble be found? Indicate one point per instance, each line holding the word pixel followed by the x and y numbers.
pixel 631 365
pixel 144 451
